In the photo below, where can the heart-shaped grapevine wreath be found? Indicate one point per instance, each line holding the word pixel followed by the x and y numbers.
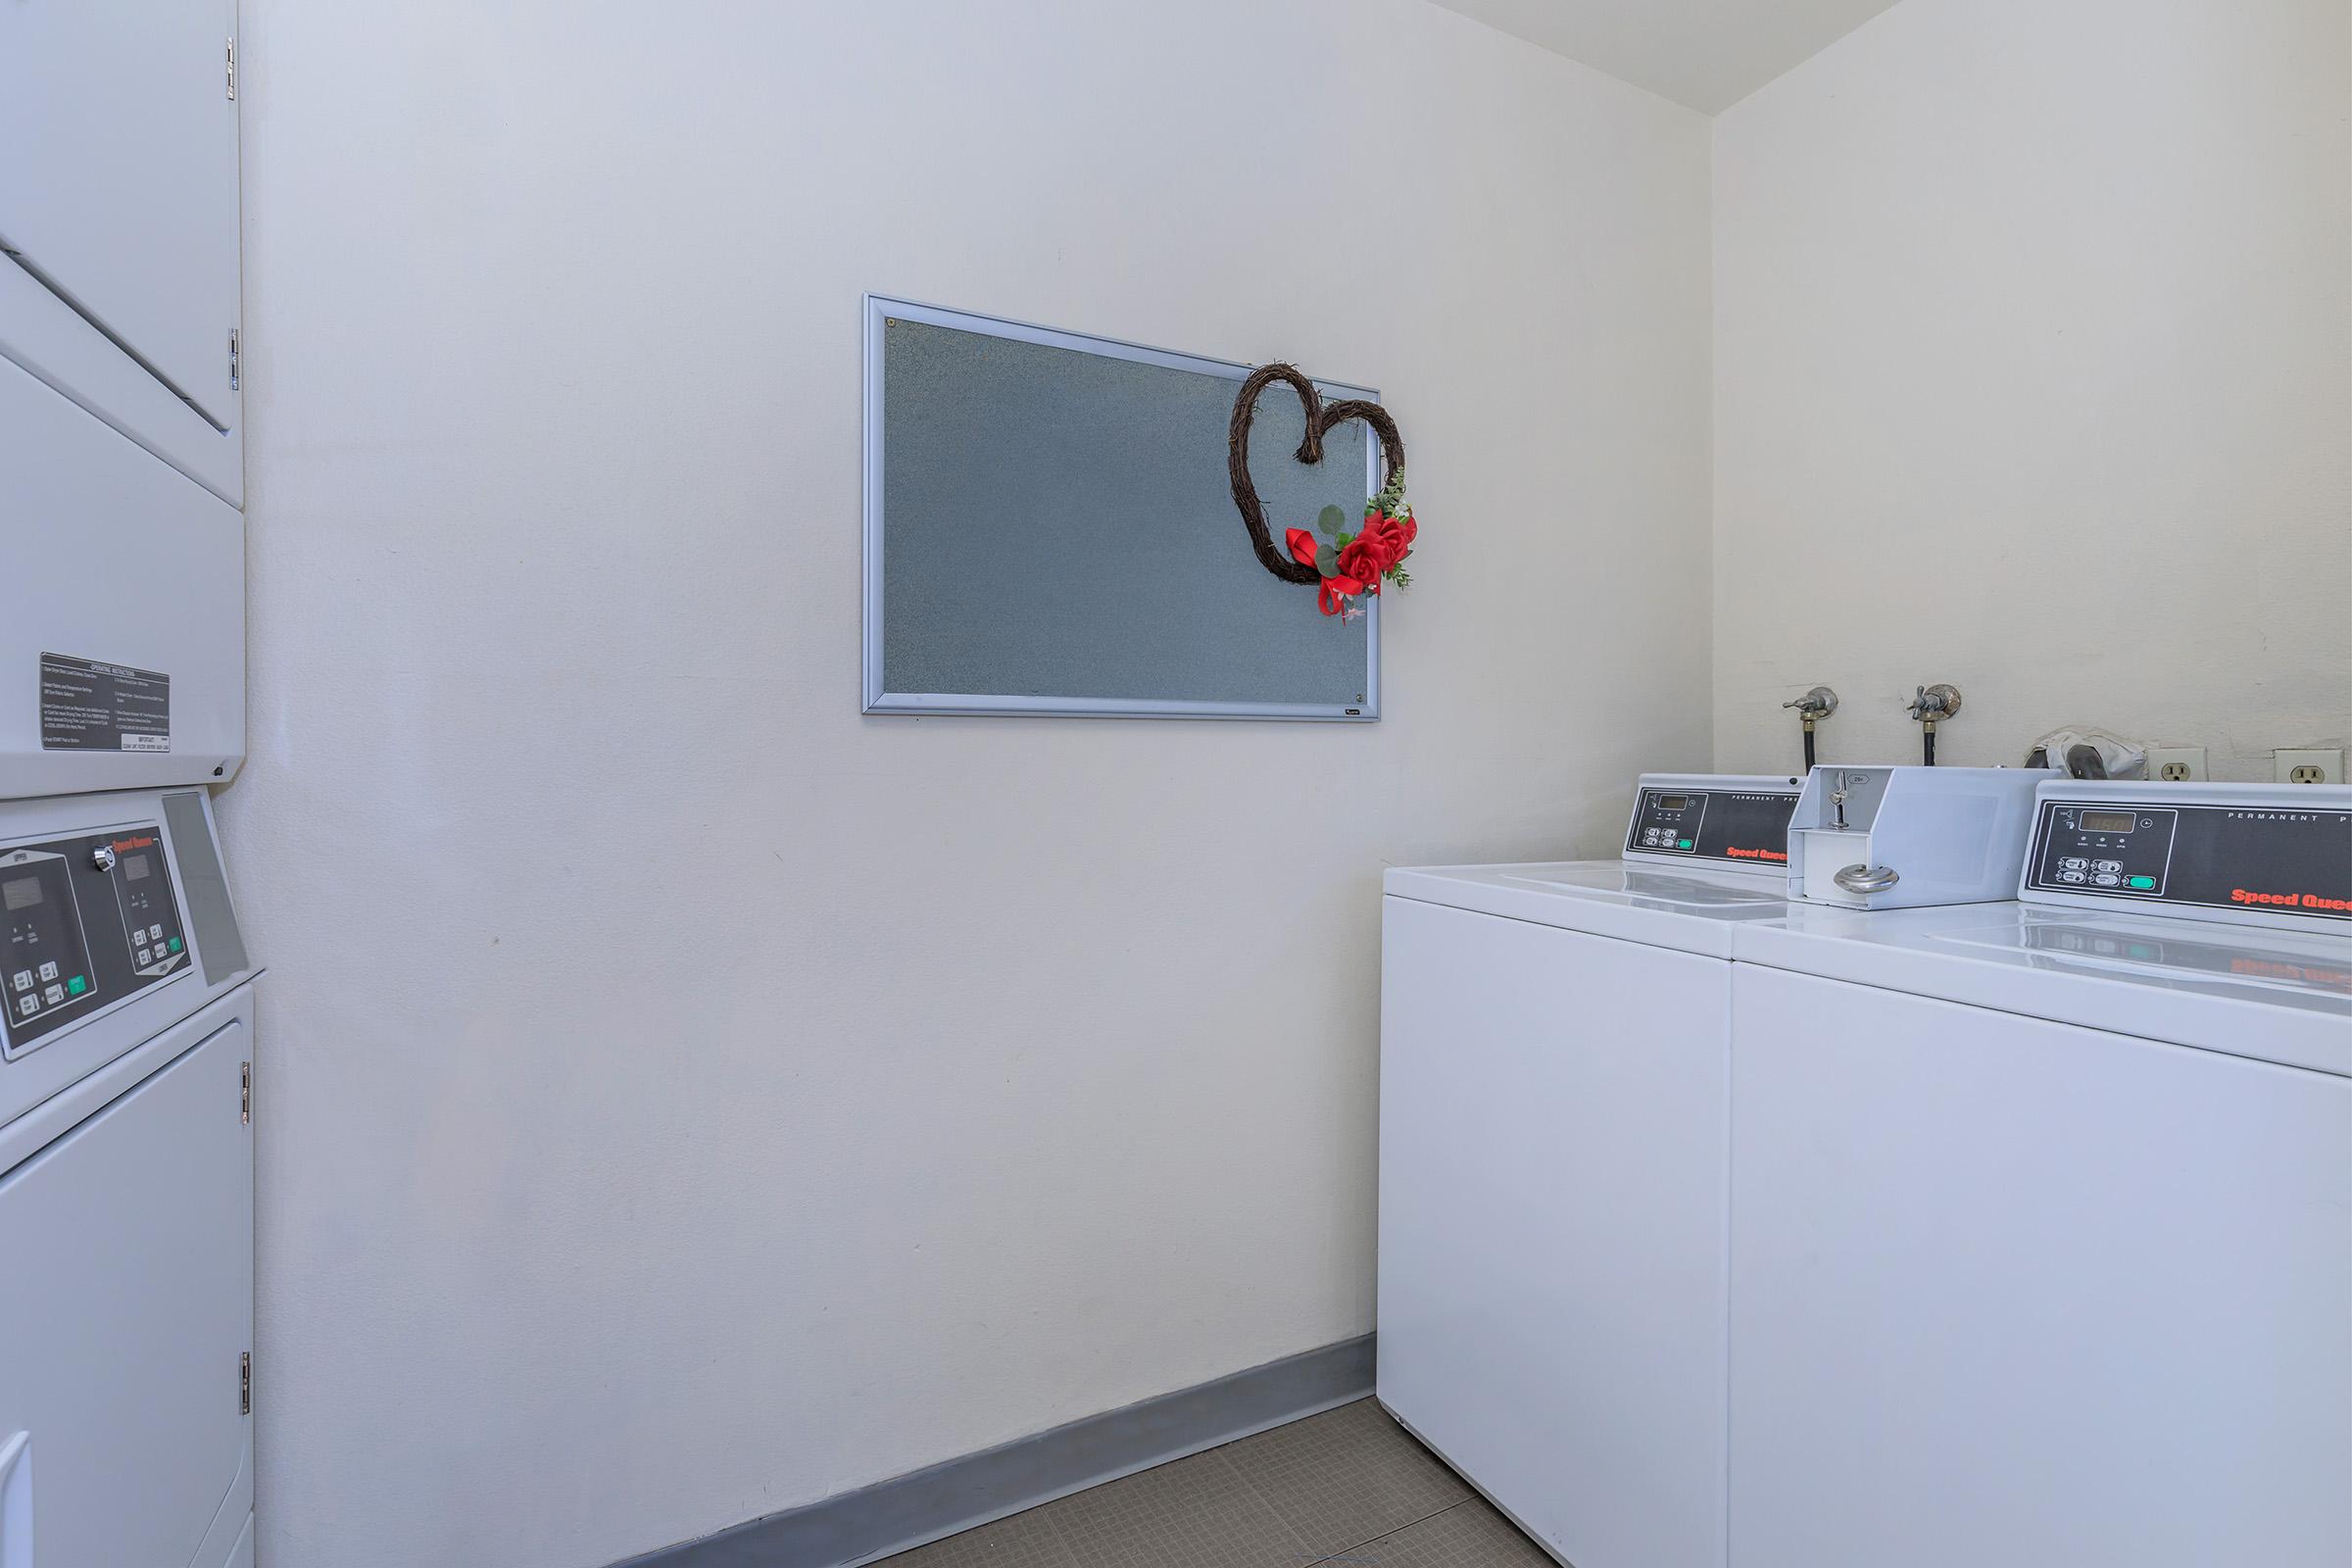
pixel 1346 567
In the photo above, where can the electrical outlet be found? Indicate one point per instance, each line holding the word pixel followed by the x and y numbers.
pixel 2177 764
pixel 2309 764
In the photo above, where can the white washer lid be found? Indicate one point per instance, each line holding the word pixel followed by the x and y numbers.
pixel 1693 911
pixel 2273 996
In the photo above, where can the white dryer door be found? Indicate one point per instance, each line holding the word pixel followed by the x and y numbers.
pixel 127 1304
pixel 118 176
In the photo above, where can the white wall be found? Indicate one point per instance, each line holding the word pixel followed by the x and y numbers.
pixel 2034 335
pixel 681 1097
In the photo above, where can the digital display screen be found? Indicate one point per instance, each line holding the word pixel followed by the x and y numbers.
pixel 1671 803
pixel 135 868
pixel 2108 821
pixel 22 894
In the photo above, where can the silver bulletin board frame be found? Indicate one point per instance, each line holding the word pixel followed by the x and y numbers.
pixel 882 309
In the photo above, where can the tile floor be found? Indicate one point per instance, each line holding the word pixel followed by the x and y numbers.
pixel 1347 1487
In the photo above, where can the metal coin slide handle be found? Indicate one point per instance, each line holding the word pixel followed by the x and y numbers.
pixel 1866 879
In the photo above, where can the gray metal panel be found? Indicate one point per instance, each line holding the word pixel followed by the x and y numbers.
pixel 204 888
pixel 109 554
pixel 1050 529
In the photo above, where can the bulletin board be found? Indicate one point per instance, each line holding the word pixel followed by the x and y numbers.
pixel 1050 529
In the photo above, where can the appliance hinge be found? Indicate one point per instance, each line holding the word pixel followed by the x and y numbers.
pixel 232 359
pixel 245 1384
pixel 245 1093
pixel 232 69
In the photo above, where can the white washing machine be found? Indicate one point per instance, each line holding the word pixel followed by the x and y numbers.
pixel 125 1188
pixel 2041 1211
pixel 1554 1081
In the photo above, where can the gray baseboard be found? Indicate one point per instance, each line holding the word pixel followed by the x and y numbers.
pixel 890 1517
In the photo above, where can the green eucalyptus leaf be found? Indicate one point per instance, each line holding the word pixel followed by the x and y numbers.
pixel 1331 519
pixel 1326 560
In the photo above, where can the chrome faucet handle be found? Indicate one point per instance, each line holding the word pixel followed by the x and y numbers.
pixel 1933 703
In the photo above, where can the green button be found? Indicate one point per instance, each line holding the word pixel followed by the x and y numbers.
pixel 1684 845
pixel 2144 883
pixel 175 943
pixel 77 984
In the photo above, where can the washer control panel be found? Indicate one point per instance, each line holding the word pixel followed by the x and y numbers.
pixel 1731 822
pixel 87 922
pixel 2282 852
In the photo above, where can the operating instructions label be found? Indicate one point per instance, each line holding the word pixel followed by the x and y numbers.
pixel 90 706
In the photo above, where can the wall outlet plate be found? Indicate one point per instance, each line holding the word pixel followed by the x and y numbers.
pixel 2177 764
pixel 2309 764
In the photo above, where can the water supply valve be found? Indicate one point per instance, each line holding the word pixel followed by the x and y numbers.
pixel 1812 708
pixel 1932 704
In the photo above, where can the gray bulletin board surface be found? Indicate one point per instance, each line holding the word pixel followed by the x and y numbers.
pixel 1049 529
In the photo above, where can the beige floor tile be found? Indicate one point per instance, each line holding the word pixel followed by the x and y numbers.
pixel 1345 1476
pixel 1468 1535
pixel 1195 1513
pixel 1024 1540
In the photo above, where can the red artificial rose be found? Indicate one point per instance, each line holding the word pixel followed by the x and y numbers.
pixel 1363 562
pixel 1332 595
pixel 1303 546
pixel 1389 539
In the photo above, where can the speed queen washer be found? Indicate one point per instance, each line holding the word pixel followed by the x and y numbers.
pixel 1553 1085
pixel 2041 1212
pixel 125 1186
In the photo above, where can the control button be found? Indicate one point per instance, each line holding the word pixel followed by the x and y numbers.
pixel 2073 876
pixel 48 971
pixel 27 1007
pixel 1681 844
pixel 2117 866
pixel 155 933
pixel 103 858
pixel 2074 863
pixel 146 956
pixel 55 996
pixel 77 984
pixel 24 979
pixel 175 944
pixel 2143 883
pixel 2107 879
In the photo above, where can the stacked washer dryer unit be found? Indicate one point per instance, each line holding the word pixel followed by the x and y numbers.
pixel 2041 1241
pixel 125 989
pixel 1555 1078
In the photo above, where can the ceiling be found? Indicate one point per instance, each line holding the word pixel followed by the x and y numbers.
pixel 1708 54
